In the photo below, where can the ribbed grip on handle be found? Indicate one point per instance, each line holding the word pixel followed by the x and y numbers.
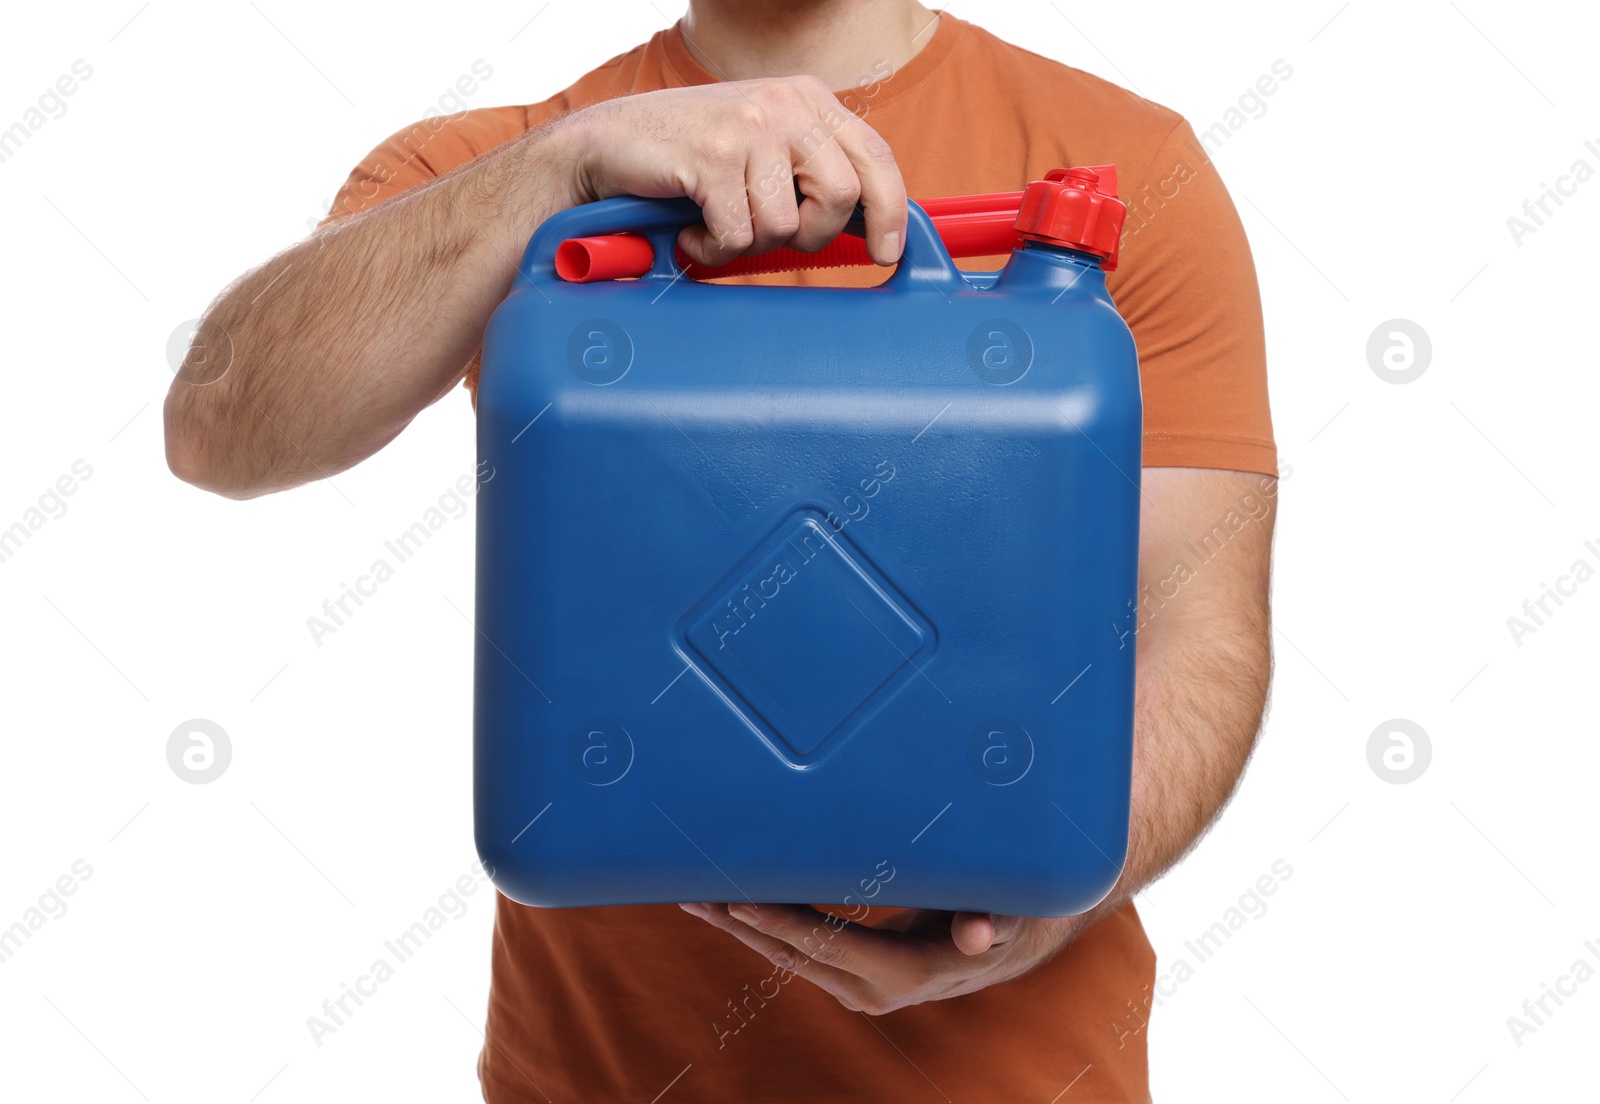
pixel 842 252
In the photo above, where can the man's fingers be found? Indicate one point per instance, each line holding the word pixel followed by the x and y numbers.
pixel 728 230
pixel 883 192
pixel 770 183
pixel 831 188
pixel 848 989
pixel 832 942
pixel 891 963
pixel 973 932
pixel 875 970
pixel 731 147
pixel 742 174
pixel 977 932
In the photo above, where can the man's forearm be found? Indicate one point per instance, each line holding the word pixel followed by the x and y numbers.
pixel 1198 710
pixel 289 381
pixel 1204 665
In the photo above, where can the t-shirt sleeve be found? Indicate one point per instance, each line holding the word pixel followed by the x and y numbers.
pixel 423 152
pixel 1186 285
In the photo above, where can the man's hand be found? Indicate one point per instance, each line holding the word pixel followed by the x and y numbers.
pixel 1203 666
pixel 735 148
pixel 917 956
pixel 335 345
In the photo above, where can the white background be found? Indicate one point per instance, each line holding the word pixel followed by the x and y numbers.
pixel 1418 517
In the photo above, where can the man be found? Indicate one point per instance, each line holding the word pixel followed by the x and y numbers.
pixel 342 339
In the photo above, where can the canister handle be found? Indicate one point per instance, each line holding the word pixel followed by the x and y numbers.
pixel 924 259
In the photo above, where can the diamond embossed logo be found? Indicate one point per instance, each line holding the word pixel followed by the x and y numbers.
pixel 804 637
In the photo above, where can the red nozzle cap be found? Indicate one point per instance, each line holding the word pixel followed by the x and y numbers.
pixel 1077 209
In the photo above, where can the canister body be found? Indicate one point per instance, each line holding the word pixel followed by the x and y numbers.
pixel 808 594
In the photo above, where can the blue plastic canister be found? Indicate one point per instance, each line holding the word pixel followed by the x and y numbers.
pixel 807 594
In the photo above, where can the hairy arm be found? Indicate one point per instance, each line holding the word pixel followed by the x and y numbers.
pixel 317 359
pixel 1205 657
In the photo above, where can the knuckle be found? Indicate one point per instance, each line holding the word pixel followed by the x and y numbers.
pixel 925 974
pixel 836 192
pixel 812 141
pixel 737 237
pixel 806 85
pixel 720 150
pixel 749 115
pixel 773 182
pixel 786 960
pixel 875 147
pixel 819 87
pixel 784 223
pixel 828 953
pixel 874 1005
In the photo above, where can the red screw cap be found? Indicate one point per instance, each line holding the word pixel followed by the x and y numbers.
pixel 1077 209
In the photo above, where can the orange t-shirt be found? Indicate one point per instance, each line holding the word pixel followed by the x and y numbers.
pixel 619 1003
